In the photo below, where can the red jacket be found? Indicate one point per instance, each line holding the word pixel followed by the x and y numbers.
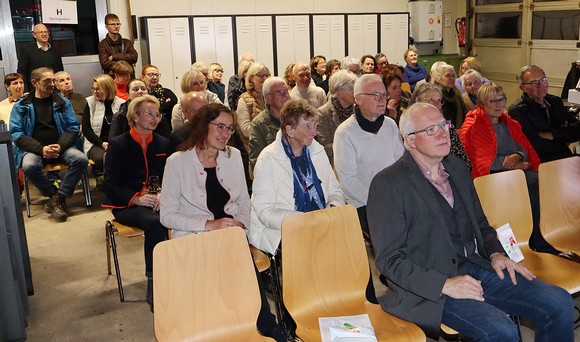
pixel 478 138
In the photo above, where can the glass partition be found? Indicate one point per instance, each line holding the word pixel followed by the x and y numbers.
pixel 498 25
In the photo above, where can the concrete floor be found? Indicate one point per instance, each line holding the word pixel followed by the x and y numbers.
pixel 75 299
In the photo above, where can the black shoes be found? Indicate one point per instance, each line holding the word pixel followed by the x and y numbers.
pixel 56 206
pixel 149 295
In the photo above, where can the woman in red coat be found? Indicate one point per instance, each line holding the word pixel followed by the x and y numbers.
pixel 494 142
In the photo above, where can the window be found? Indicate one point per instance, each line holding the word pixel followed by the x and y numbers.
pixel 496 2
pixel 69 40
pixel 557 25
pixel 498 25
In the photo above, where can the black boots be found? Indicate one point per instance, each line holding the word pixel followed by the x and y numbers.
pixel 149 295
pixel 56 206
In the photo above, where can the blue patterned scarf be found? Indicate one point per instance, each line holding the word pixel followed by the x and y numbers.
pixel 308 194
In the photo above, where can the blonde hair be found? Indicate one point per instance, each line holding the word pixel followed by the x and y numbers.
pixel 107 85
pixel 135 107
pixel 488 91
pixel 253 71
pixel 472 62
pixel 189 77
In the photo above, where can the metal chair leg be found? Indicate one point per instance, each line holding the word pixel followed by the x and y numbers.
pixel 113 244
pixel 87 189
pixel 108 245
pixel 27 196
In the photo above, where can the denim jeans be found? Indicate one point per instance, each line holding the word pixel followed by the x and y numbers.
pixel 550 308
pixel 77 164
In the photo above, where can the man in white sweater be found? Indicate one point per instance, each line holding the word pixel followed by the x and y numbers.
pixel 305 89
pixel 365 143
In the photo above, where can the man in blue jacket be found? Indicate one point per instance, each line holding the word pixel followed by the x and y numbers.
pixel 44 129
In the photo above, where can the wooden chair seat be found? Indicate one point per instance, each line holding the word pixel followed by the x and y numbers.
pixel 560 203
pixel 206 288
pixel 260 258
pixel 325 271
pixel 112 227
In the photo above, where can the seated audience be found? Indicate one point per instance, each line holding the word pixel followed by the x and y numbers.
pixel 382 62
pixel 64 84
pixel 338 108
pixel 469 63
pixel 332 66
pixel 544 119
pixel 14 84
pixel 351 64
pixel 266 125
pixel 442 259
pixel 215 84
pixel 190 105
pixel 289 76
pixel 453 107
pixel 365 143
pixel 237 89
pixel 167 99
pixel 96 123
pixel 251 103
pixel 237 80
pixel 277 190
pixel 396 102
pixel 495 142
pixel 414 72
pixel 45 130
pixel 471 81
pixel 318 69
pixel 430 93
pixel 304 90
pixel 192 80
pixel 120 125
pixel 367 63
pixel 218 174
pixel 121 71
pixel 134 159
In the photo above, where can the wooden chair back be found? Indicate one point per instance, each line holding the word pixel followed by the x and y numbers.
pixel 560 203
pixel 504 198
pixel 205 288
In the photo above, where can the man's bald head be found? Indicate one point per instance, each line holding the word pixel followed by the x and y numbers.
pixel 246 56
pixel 301 72
pixel 191 103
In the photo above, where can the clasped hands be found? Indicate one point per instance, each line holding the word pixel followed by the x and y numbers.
pixel 51 151
pixel 467 287
pixel 515 161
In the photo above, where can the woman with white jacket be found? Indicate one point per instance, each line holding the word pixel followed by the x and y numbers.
pixel 292 175
pixel 97 119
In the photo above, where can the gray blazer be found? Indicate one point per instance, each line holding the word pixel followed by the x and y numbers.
pixel 412 243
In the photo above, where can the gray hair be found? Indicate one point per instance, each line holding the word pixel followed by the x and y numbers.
pixel 363 80
pixel 341 80
pixel 269 82
pixel 528 68
pixel 348 61
pixel 439 71
pixel 407 119
pixel 471 73
pixel 420 90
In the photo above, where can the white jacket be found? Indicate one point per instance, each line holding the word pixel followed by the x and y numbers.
pixel 273 191
pixel 183 202
pixel 97 111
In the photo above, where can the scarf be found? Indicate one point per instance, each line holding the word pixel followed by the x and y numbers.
pixel 367 125
pixel 343 113
pixel 159 93
pixel 308 194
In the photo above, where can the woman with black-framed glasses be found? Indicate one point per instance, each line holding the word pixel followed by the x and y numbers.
pixel 97 118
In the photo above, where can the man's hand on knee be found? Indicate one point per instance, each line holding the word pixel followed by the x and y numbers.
pixel 500 262
pixel 463 287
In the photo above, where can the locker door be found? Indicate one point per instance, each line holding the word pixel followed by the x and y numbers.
pixel 362 35
pixel 337 37
pixel 159 44
pixel 224 46
pixel 204 33
pixel 293 40
pixel 254 34
pixel 394 37
pixel 322 40
pixel 180 51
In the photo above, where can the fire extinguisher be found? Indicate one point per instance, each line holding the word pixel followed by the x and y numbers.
pixel 460 24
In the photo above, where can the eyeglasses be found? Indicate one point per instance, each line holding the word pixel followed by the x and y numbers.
pixel 432 100
pixel 433 129
pixel 221 128
pixel 263 75
pixel 114 24
pixel 152 74
pixel 218 70
pixel 280 92
pixel 197 84
pixel 96 89
pixel 541 81
pixel 377 96
pixel 498 100
pixel 151 114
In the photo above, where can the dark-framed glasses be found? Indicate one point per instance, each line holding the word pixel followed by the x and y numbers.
pixel 433 129
pixel 498 100
pixel 152 74
pixel 377 96
pixel 221 128
pixel 538 82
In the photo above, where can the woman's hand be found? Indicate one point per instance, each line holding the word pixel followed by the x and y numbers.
pixel 148 200
pixel 105 145
pixel 510 162
pixel 392 107
pixel 222 223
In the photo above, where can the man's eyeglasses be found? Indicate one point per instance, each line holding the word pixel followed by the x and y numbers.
pixel 433 129
pixel 221 128
pixel 541 81
pixel 280 92
pixel 377 96
pixel 152 74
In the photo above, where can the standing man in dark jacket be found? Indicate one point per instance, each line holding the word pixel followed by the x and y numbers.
pixel 114 47
pixel 44 129
pixel 544 119
pixel 40 54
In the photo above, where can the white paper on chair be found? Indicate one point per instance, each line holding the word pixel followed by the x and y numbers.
pixel 347 329
pixel 508 241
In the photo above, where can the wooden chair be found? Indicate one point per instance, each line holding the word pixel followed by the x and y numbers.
pixel 504 198
pixel 560 203
pixel 260 259
pixel 325 271
pixel 112 227
pixel 206 288
pixel 58 167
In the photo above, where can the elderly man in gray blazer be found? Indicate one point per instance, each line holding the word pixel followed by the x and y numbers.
pixel 441 258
